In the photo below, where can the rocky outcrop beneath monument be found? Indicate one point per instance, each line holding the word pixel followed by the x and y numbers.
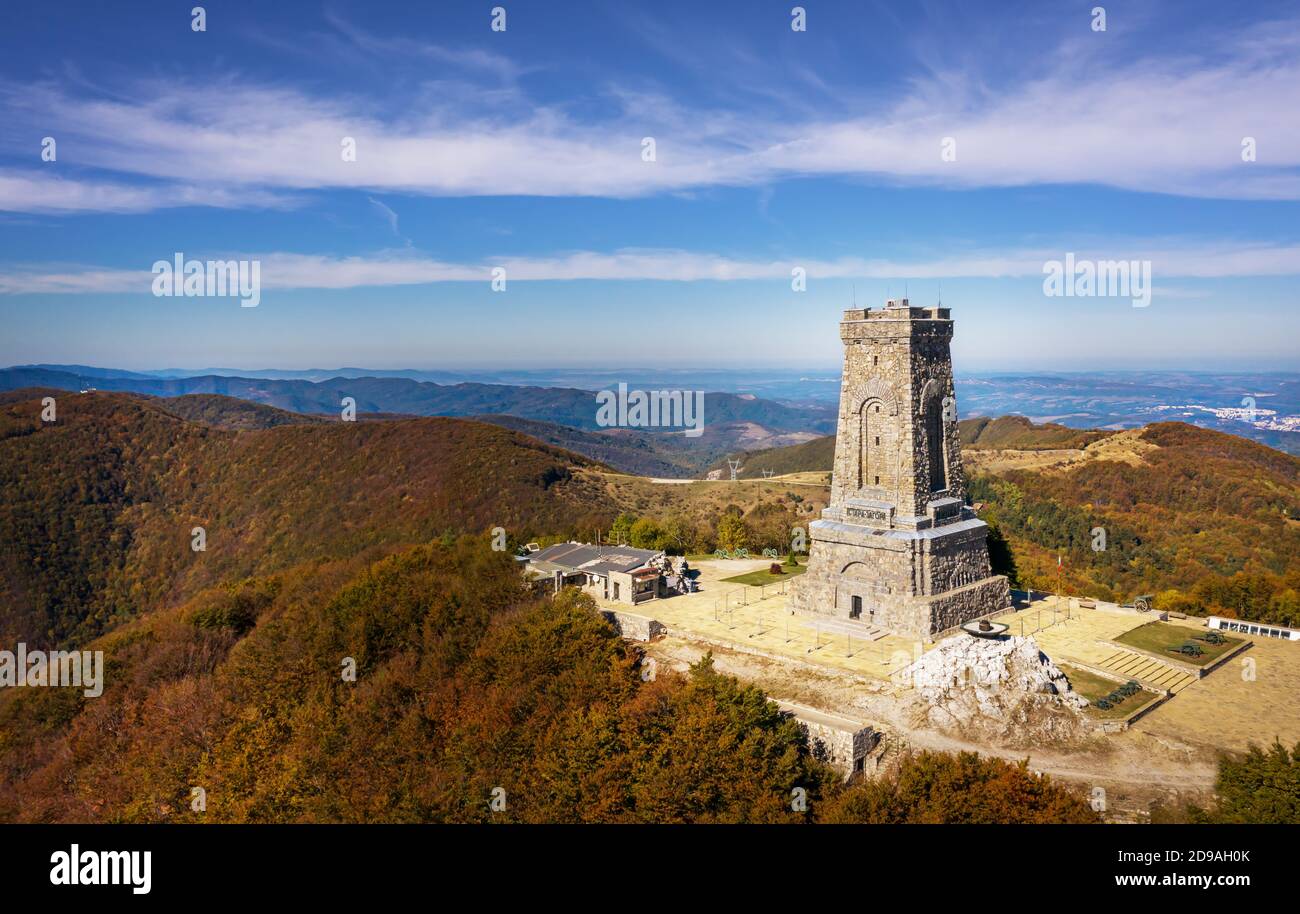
pixel 1006 690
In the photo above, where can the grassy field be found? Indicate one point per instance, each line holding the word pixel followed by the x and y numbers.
pixel 1091 686
pixel 763 576
pixel 1250 700
pixel 1163 639
pixel 703 501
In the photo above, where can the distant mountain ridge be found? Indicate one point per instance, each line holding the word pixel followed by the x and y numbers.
pixel 228 413
pixel 1107 400
pixel 276 374
pixel 565 406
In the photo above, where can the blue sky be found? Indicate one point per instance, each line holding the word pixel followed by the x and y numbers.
pixel 774 150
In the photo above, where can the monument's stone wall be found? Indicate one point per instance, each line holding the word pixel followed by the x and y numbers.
pixel 973 601
pixel 897 547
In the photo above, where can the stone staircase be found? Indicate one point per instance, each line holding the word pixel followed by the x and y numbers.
pixel 1147 671
pixel 854 628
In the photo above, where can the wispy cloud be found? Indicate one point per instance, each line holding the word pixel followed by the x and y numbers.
pixel 388 213
pixel 46 192
pixel 400 268
pixel 1165 124
pixel 386 47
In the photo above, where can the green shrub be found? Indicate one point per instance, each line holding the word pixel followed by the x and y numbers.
pixel 234 606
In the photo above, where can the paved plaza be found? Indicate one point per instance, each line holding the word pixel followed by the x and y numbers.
pixel 758 620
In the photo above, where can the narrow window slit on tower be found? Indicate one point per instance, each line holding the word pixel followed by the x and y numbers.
pixel 935 445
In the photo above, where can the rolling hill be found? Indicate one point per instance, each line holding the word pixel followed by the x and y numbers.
pixel 980 433
pixel 227 413
pixel 649 453
pixel 817 455
pixel 1018 433
pixel 95 525
pixel 1209 520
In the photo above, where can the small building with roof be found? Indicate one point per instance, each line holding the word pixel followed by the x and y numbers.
pixel 618 573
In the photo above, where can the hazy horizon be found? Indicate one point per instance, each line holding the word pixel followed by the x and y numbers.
pixel 634 370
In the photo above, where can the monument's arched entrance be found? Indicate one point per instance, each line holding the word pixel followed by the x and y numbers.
pixel 859 591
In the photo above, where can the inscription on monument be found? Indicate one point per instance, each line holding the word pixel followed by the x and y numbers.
pixel 873 514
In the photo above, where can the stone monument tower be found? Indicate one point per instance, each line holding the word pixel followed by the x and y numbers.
pixel 897 548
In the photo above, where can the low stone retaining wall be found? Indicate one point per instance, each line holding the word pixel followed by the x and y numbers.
pixel 836 740
pixel 632 626
pixel 968 603
pixel 1122 724
pixel 1245 645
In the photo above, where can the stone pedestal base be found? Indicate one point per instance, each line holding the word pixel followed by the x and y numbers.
pixel 910 582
